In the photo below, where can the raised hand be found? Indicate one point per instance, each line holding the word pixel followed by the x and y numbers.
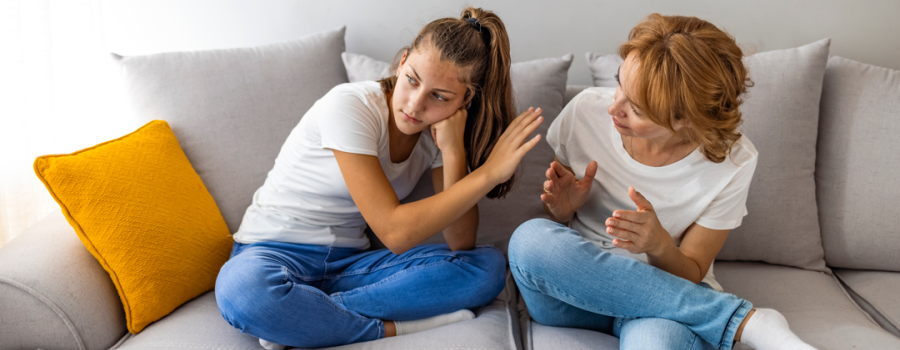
pixel 512 146
pixel 563 193
pixel 638 231
pixel 448 134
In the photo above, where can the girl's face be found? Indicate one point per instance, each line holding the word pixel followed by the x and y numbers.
pixel 428 90
pixel 628 119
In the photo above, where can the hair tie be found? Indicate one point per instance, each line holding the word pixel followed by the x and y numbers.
pixel 474 23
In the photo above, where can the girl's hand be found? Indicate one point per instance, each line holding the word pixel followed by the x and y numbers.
pixel 448 134
pixel 563 193
pixel 638 231
pixel 512 146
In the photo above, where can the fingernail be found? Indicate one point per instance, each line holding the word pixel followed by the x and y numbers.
pixel 612 222
pixel 612 230
pixel 540 118
pixel 617 215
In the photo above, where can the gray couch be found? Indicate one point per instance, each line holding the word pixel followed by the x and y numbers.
pixel 821 243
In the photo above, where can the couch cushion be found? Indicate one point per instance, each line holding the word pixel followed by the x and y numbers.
pixel 604 68
pixel 232 109
pixel 199 325
pixel 781 117
pixel 875 292
pixel 815 305
pixel 857 167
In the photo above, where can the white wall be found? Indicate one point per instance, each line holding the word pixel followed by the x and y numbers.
pixel 863 30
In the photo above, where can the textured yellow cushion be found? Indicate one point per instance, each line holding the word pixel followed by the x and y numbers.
pixel 140 208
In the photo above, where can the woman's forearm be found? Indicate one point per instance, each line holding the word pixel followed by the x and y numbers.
pixel 672 260
pixel 461 234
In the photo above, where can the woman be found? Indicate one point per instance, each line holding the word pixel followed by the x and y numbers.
pixel 638 265
pixel 300 274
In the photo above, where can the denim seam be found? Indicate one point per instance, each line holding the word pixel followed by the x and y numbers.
pixel 602 312
pixel 333 304
pixel 386 266
pixel 325 262
pixel 286 271
pixel 388 279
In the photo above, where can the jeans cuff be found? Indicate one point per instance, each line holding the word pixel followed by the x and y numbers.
pixel 736 319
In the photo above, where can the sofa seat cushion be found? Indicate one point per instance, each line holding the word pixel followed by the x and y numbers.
pixel 875 292
pixel 817 308
pixel 541 337
pixel 815 305
pixel 198 325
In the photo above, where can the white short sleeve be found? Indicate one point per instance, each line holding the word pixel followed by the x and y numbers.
pixel 560 131
pixel 727 210
pixel 351 125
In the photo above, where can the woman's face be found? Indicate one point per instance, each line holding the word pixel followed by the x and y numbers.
pixel 428 90
pixel 628 119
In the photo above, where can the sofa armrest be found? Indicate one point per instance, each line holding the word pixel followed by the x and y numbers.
pixel 54 293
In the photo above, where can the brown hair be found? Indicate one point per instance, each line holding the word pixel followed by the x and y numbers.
pixel 476 43
pixel 689 68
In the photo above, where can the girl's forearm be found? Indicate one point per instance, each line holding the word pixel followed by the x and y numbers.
pixel 414 222
pixel 461 234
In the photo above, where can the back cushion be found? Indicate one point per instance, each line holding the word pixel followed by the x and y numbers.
pixel 232 109
pixel 858 166
pixel 781 118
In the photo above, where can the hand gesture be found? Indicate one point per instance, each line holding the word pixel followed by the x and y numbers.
pixel 638 231
pixel 512 146
pixel 448 134
pixel 563 193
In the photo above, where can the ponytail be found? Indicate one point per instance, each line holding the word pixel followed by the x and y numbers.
pixel 478 45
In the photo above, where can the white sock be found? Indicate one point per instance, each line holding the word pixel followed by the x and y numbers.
pixel 768 330
pixel 270 345
pixel 410 327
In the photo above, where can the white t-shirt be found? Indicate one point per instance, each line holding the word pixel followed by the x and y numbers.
pixel 691 190
pixel 305 199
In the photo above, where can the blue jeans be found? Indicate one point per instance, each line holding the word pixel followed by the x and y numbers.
pixel 567 281
pixel 314 296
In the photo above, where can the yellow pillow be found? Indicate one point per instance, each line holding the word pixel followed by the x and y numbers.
pixel 140 208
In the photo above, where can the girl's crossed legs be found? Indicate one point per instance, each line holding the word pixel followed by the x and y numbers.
pixel 313 296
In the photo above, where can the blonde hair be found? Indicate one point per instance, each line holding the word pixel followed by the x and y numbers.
pixel 477 43
pixel 689 69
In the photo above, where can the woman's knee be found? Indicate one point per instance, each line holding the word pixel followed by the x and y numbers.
pixel 242 287
pixel 532 242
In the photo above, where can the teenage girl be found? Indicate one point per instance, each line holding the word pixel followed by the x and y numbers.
pixel 638 265
pixel 300 274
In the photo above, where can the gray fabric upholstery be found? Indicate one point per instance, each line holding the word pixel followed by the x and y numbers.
pixel 603 68
pixel 54 294
pixel 198 324
pixel 781 118
pixel 817 308
pixel 232 109
pixel 877 293
pixel 857 167
pixel 552 338
pixel 362 67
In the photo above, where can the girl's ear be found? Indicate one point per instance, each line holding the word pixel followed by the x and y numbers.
pixel 402 62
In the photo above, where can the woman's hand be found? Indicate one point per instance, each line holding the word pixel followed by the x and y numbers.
pixel 448 134
pixel 512 146
pixel 563 193
pixel 639 231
